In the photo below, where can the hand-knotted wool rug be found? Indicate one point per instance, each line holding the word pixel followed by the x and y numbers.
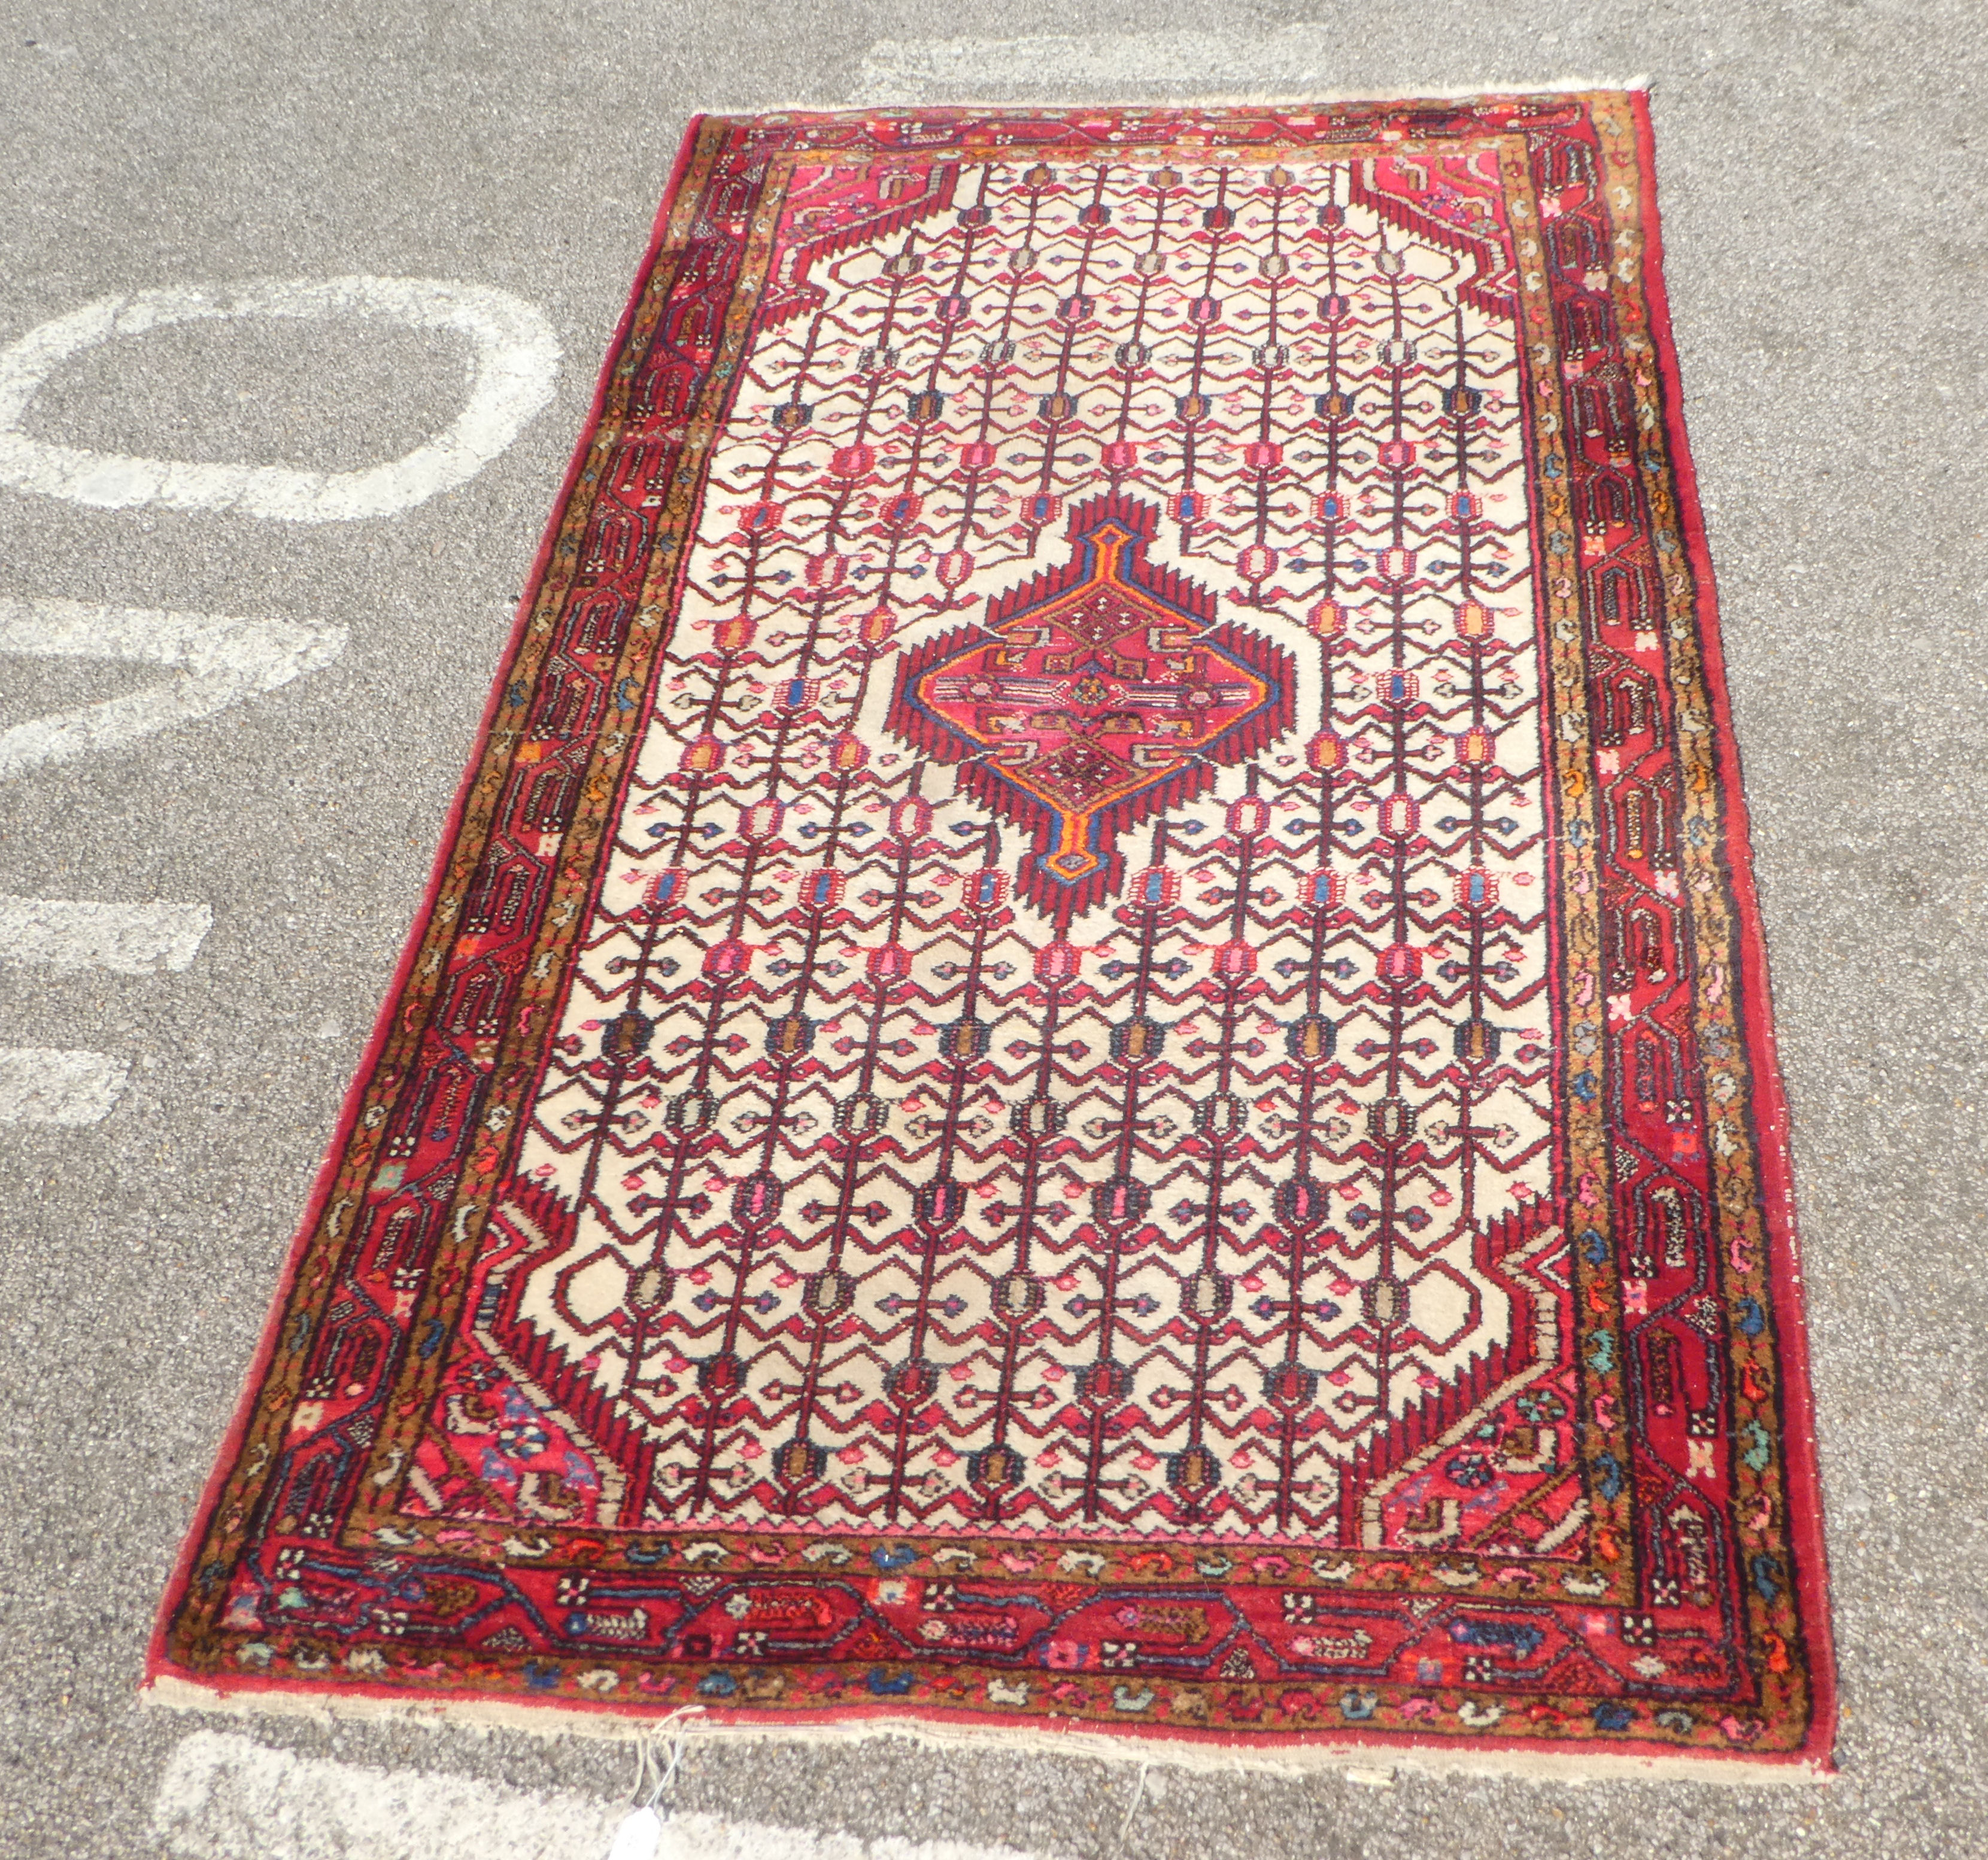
pixel 1091 1053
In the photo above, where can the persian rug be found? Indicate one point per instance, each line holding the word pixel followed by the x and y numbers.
pixel 1090 1053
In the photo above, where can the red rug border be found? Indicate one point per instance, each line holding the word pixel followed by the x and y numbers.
pixel 1770 1104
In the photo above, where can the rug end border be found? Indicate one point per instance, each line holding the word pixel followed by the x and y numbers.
pixel 1643 82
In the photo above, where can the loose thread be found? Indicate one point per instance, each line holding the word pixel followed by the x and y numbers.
pixel 640 1836
pixel 650 1757
pixel 1131 1809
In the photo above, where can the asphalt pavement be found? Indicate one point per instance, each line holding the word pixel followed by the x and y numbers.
pixel 204 884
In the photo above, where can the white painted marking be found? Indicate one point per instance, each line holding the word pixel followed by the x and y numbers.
pixel 220 661
pixel 224 1797
pixel 515 352
pixel 48 1085
pixel 1305 59
pixel 132 939
pixel 907 71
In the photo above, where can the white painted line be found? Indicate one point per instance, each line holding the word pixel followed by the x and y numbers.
pixel 132 939
pixel 225 1797
pixel 516 358
pixel 909 71
pixel 1303 60
pixel 48 1085
pixel 220 661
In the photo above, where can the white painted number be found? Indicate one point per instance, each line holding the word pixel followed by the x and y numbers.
pixel 126 939
pixel 224 1797
pixel 220 661
pixel 48 1085
pixel 516 354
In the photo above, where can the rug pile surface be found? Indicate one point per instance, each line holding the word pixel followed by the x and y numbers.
pixel 1090 1053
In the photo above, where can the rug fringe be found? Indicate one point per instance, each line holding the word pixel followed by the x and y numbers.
pixel 1372 1763
pixel 1224 100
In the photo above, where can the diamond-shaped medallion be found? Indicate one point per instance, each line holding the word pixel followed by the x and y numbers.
pixel 1094 696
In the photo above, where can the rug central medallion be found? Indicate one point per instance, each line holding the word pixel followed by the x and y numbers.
pixel 1093 697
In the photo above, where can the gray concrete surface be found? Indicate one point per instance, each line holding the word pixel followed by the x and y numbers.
pixel 1821 171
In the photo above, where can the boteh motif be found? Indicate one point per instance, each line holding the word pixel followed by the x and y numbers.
pixel 1091 698
pixel 1094 1046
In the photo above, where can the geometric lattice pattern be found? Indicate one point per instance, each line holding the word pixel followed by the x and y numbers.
pixel 1094 1044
